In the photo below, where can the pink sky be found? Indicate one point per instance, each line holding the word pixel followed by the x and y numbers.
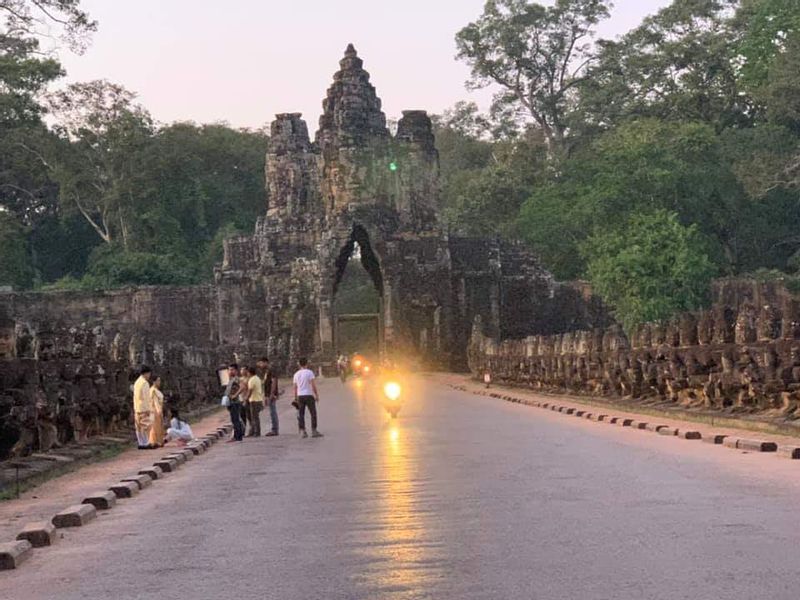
pixel 242 61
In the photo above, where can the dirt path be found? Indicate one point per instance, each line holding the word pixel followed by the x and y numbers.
pixel 43 501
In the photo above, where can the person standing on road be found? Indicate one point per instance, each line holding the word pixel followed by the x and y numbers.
pixel 255 400
pixel 270 383
pixel 157 402
pixel 232 391
pixel 142 408
pixel 306 396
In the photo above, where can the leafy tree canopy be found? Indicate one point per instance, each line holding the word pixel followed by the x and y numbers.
pixel 651 269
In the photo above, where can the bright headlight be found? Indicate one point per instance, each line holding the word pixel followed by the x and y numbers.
pixel 392 390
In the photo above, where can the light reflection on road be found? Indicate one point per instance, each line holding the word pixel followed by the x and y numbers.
pixel 399 549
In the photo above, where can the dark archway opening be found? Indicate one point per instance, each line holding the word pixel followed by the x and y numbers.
pixel 357 294
pixel 359 240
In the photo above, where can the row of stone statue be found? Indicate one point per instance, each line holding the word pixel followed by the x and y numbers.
pixel 741 358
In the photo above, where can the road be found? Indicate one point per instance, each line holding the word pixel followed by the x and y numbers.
pixel 462 497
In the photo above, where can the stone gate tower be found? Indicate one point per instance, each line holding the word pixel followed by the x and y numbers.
pixel 358 183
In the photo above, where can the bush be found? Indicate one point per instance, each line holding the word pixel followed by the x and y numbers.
pixel 112 267
pixel 651 269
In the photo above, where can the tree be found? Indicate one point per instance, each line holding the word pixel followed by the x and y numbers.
pixel 35 18
pixel 16 269
pixel 679 64
pixel 652 164
pixel 537 55
pixel 487 170
pixel 770 71
pixel 197 180
pixel 766 28
pixel 652 269
pixel 103 134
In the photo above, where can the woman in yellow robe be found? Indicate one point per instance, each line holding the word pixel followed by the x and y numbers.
pixel 157 433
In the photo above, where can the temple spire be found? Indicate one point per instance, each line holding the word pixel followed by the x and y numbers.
pixel 351 110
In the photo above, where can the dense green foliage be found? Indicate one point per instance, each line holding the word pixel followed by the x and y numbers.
pixel 645 164
pixel 679 145
pixel 99 195
pixel 649 269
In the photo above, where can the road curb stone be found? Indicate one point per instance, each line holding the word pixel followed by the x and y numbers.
pixel 101 500
pixel 12 554
pixel 142 481
pixel 125 489
pixel 39 534
pixel 168 466
pixel 728 441
pixel 75 516
pixel 153 472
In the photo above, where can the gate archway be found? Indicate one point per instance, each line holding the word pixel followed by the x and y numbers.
pixel 358 292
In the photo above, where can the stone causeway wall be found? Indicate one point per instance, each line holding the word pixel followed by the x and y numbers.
pixel 67 359
pixel 741 356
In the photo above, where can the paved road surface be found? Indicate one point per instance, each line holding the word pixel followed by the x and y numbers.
pixel 462 497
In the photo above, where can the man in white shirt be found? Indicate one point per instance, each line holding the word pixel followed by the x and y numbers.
pixel 306 395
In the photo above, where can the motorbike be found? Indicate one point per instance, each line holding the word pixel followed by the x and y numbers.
pixel 360 366
pixel 391 394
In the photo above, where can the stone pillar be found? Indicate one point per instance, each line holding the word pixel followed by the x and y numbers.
pixel 291 168
pixel 417 170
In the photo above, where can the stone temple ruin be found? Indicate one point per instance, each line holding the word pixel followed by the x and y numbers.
pixel 66 357
pixel 357 183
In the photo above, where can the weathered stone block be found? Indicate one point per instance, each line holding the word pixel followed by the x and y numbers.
pixel 580 413
pixel 125 489
pixel 670 431
pixel 12 554
pixel 622 422
pixel 654 427
pixel 166 465
pixel 689 435
pixel 142 481
pixel 792 452
pixel 39 534
pixel 196 449
pixel 730 442
pixel 757 445
pixel 639 425
pixel 75 516
pixel 714 438
pixel 101 500
pixel 179 457
pixel 152 472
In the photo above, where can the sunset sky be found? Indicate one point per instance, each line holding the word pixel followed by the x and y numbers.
pixel 242 61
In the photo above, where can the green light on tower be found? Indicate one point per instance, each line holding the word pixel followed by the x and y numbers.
pixel 393 166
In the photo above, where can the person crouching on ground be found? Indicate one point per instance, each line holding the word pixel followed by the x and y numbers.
pixel 142 408
pixel 179 430
pixel 255 399
pixel 306 396
pixel 232 391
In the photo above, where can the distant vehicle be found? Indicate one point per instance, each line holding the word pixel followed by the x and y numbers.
pixel 392 391
pixel 360 366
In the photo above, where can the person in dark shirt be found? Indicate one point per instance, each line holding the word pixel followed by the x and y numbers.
pixel 232 391
pixel 270 393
